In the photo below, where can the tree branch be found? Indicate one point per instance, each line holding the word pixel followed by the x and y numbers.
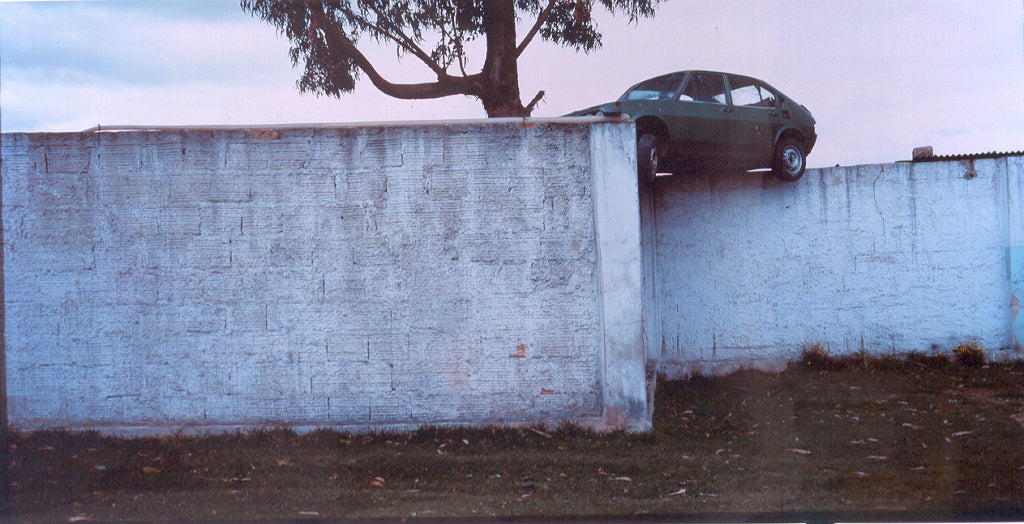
pixel 401 39
pixel 533 103
pixel 541 19
pixel 339 42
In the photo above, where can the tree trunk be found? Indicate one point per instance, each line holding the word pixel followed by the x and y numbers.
pixel 499 91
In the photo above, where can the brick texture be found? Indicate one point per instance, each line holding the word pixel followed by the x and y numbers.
pixel 347 277
pixel 884 258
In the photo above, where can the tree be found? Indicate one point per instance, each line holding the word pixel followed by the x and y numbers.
pixel 325 34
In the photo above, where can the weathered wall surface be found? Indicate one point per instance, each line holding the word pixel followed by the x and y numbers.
pixel 467 272
pixel 346 277
pixel 884 258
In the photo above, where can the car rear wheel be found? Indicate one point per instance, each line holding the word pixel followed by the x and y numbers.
pixel 648 156
pixel 789 161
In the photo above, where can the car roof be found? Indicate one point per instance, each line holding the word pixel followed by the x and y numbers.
pixel 685 72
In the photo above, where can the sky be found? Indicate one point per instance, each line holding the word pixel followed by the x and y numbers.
pixel 880 76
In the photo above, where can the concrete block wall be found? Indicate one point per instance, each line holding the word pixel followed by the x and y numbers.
pixel 885 258
pixel 354 277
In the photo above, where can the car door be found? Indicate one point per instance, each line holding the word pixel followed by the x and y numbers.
pixel 754 124
pixel 699 121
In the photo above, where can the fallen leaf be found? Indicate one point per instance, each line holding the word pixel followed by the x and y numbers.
pixel 150 470
pixel 674 493
pixel 377 482
pixel 877 457
pixel 623 479
pixel 961 433
pixel 310 513
pixel 78 519
pixel 799 451
pixel 541 433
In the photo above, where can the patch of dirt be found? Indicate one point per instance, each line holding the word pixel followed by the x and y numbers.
pixel 1011 396
pixel 795 445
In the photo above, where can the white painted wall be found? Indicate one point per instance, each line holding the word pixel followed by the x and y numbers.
pixel 357 277
pixel 886 258
pixel 504 271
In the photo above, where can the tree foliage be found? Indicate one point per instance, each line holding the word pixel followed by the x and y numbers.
pixel 325 38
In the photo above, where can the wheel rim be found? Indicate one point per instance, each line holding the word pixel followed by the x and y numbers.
pixel 792 159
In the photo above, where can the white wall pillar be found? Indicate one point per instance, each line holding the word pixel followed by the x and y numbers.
pixel 617 224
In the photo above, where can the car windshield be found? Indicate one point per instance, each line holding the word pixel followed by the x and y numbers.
pixel 659 88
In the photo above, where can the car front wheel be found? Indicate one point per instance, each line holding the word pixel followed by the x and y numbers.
pixel 647 156
pixel 789 162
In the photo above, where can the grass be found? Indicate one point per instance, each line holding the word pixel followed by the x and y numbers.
pixel 913 433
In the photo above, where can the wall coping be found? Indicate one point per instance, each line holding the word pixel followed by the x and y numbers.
pixel 350 125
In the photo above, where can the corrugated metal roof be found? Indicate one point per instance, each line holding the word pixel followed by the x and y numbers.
pixel 967 156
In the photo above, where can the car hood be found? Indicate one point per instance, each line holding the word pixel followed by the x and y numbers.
pixel 608 108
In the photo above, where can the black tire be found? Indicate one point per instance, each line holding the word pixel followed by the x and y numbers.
pixel 788 160
pixel 648 156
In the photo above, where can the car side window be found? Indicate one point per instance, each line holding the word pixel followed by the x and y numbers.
pixel 746 96
pixel 768 98
pixel 749 93
pixel 708 88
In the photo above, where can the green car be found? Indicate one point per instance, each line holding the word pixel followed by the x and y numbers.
pixel 709 121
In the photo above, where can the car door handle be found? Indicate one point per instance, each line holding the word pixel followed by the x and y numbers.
pixel 773 113
pixel 727 109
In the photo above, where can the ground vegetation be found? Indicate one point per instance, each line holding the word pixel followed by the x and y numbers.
pixel 904 437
